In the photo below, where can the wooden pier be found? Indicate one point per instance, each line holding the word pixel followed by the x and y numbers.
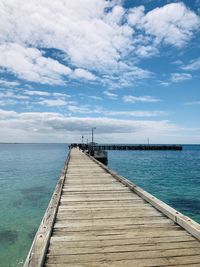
pixel 98 218
pixel 139 147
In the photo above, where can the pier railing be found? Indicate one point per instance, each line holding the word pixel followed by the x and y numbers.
pixel 185 222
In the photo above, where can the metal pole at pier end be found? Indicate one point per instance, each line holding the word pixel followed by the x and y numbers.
pixel 148 141
pixel 82 139
pixel 93 128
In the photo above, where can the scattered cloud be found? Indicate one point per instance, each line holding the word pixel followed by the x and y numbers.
pixel 193 65
pixel 52 102
pixel 8 102
pixel 13 95
pixel 179 77
pixel 136 113
pixel 134 99
pixel 193 103
pixel 110 95
pixel 76 108
pixel 37 93
pixel 146 51
pixel 177 62
pixel 100 40
pixel 29 64
pixel 26 98
pixel 61 95
pixel 80 109
pixel 95 97
pixel 81 73
pixel 176 23
pixel 85 46
pixel 164 83
pixel 44 93
pixel 8 84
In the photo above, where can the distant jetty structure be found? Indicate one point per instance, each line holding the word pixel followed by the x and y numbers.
pixel 138 147
pixel 98 218
pixel 99 151
pixel 127 147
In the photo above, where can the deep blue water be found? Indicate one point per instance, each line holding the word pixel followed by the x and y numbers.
pixel 172 176
pixel 29 172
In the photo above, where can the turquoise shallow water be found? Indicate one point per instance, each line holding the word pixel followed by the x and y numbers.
pixel 29 172
pixel 172 176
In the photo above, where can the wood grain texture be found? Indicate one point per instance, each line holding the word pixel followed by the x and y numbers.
pixel 104 220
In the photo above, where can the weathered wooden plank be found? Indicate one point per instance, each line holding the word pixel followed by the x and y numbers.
pixel 117 234
pixel 125 241
pixel 100 194
pixel 64 215
pixel 107 210
pixel 103 202
pixel 57 248
pixel 92 182
pixel 116 229
pixel 116 256
pixel 81 190
pixel 148 220
pixel 90 198
pixel 155 262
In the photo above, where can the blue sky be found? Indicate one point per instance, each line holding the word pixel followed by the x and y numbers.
pixel 129 68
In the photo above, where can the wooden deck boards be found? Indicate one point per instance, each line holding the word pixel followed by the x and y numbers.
pixel 101 222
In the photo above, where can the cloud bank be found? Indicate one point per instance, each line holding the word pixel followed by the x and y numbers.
pixel 49 126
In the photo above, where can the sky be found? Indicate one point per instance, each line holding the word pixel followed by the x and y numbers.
pixel 129 68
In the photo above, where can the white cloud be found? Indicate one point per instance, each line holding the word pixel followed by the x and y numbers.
pixel 97 110
pixel 80 109
pixel 52 102
pixel 135 15
pixel 193 65
pixel 8 102
pixel 193 103
pixel 177 62
pixel 136 113
pixel 90 38
pixel 61 95
pixel 14 95
pixel 179 77
pixel 81 73
pixel 164 83
pixel 94 36
pixel 110 95
pixel 9 84
pixel 37 93
pixel 7 114
pixel 29 98
pixel 134 99
pixel 29 64
pixel 95 97
pixel 146 51
pixel 172 24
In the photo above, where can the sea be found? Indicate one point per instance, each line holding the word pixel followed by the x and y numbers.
pixel 29 173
